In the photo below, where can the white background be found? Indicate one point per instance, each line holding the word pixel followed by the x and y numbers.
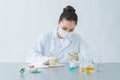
pixel 21 21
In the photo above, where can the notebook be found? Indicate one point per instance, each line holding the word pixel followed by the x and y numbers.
pixel 47 66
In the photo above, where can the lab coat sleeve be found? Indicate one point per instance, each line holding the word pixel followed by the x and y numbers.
pixel 85 50
pixel 36 55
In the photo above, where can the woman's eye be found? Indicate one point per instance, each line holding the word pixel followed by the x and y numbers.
pixel 64 28
pixel 71 30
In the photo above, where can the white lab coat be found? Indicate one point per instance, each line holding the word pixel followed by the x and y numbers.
pixel 49 43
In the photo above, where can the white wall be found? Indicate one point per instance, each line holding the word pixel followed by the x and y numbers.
pixel 22 20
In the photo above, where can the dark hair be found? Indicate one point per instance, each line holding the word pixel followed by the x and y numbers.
pixel 69 14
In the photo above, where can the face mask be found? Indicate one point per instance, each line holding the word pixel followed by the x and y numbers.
pixel 65 34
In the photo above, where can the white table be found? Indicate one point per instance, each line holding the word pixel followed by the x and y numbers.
pixel 10 71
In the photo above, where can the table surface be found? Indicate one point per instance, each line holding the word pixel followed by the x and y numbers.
pixel 10 71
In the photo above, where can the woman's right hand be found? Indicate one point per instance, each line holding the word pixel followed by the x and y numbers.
pixel 51 61
pixel 46 63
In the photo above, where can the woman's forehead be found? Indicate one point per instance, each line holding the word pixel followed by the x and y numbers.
pixel 68 23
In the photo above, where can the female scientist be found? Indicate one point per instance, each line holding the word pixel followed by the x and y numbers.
pixel 60 42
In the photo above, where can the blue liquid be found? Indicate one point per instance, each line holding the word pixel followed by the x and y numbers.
pixel 73 69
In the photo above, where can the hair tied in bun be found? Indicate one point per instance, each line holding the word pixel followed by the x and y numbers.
pixel 68 9
pixel 69 14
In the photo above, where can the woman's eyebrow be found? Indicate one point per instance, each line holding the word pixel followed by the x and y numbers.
pixel 64 26
pixel 72 28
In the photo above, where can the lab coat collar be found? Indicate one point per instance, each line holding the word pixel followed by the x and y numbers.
pixel 55 35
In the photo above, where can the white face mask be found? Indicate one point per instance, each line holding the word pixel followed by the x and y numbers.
pixel 64 34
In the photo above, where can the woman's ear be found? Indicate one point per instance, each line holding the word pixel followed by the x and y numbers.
pixel 59 23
